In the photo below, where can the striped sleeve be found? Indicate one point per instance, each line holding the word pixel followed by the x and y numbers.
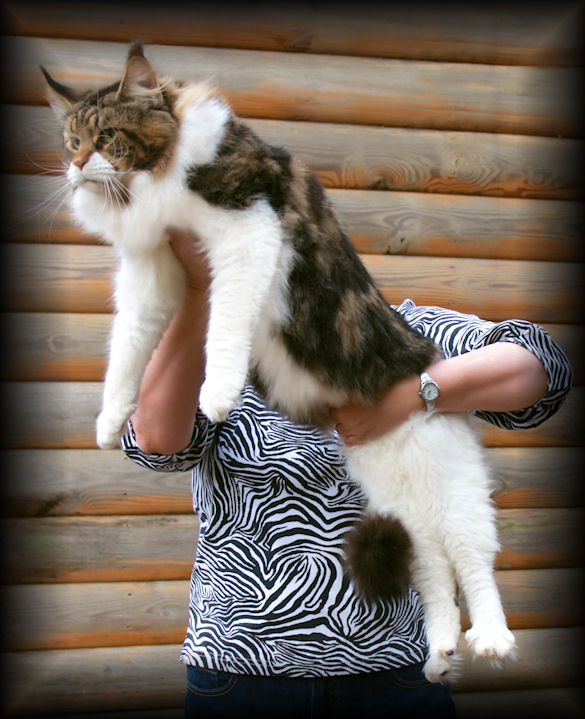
pixel 457 333
pixel 186 459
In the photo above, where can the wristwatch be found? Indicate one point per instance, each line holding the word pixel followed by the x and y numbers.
pixel 429 391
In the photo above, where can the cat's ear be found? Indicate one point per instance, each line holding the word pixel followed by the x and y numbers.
pixel 139 78
pixel 61 98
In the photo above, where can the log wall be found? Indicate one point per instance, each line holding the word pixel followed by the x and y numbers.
pixel 449 140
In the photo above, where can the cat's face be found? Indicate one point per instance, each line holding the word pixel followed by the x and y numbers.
pixel 117 131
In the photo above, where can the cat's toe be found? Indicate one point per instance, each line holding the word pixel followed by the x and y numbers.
pixel 491 641
pixel 439 668
pixel 215 402
pixel 107 433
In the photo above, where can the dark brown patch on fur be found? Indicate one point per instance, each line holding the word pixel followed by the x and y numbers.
pixel 244 170
pixel 378 554
pixel 329 288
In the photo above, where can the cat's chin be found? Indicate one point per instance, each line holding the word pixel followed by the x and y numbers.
pixel 97 188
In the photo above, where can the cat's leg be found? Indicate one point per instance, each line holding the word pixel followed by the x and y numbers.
pixel 148 289
pixel 433 578
pixel 243 256
pixel 473 557
pixel 470 539
pixel 394 474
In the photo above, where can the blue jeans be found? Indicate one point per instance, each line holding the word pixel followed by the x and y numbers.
pixel 401 693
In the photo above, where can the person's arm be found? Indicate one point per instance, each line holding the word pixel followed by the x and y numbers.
pixel 500 377
pixel 164 419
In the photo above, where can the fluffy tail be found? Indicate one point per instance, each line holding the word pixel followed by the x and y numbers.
pixel 378 552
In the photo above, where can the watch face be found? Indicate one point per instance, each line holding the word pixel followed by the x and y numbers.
pixel 430 392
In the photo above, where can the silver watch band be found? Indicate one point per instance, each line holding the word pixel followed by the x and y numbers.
pixel 429 391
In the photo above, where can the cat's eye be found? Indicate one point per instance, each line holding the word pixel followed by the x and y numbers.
pixel 74 143
pixel 106 136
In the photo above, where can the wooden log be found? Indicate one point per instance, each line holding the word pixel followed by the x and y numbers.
pixel 541 292
pixel 443 225
pixel 95 614
pixel 112 679
pixel 59 415
pixel 538 476
pixel 72 278
pixel 539 538
pixel 539 598
pixel 546 658
pixel 162 547
pixel 328 88
pixel 106 614
pixel 71 346
pixel 56 346
pixel 371 158
pixel 95 549
pixel 60 482
pixel 419 30
pixel 377 222
pixel 132 678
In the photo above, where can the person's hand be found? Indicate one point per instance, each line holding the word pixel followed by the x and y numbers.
pixel 194 261
pixel 358 424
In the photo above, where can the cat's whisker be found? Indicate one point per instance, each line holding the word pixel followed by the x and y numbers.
pixel 118 191
pixel 45 210
pixel 57 169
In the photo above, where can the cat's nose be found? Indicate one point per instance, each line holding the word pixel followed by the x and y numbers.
pixel 81 157
pixel 80 162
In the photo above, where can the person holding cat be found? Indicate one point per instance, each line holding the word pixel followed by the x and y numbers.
pixel 275 627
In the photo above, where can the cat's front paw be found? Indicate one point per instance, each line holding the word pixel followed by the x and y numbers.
pixel 107 431
pixel 217 399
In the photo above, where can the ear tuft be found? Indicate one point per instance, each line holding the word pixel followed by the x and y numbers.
pixel 136 49
pixel 61 97
pixel 139 78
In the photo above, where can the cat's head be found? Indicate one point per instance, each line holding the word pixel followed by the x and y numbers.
pixel 121 129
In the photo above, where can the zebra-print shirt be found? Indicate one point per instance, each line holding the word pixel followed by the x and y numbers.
pixel 268 591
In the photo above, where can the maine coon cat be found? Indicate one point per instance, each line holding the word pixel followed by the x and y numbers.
pixel 293 309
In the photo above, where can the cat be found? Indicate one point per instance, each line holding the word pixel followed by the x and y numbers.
pixel 292 309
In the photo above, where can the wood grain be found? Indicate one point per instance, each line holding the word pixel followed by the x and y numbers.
pixel 134 678
pixel 162 547
pixel 62 346
pixel 372 158
pixel 72 278
pixel 101 614
pixel 95 549
pixel 377 222
pixel 61 482
pixel 417 30
pixel 538 476
pixel 327 88
pixel 61 415
pixel 95 614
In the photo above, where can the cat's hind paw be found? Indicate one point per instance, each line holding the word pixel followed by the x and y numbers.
pixel 216 400
pixel 441 666
pixel 491 641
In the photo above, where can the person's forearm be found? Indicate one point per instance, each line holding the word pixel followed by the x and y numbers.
pixel 502 377
pixel 169 393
